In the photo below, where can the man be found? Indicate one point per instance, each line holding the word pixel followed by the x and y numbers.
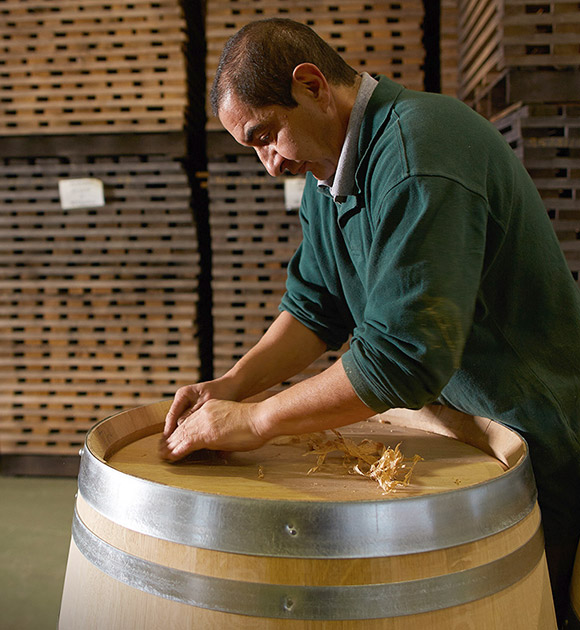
pixel 426 242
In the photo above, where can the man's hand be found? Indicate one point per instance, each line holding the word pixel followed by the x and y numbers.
pixel 190 398
pixel 204 415
pixel 284 351
pixel 215 424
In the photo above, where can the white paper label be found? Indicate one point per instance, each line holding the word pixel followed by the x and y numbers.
pixel 85 192
pixel 293 188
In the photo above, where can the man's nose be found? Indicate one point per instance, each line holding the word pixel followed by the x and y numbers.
pixel 271 160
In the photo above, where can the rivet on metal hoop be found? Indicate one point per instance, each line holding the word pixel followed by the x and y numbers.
pixel 288 604
pixel 290 529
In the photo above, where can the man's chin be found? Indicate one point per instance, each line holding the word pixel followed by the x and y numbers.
pixel 320 171
pixel 322 174
pixel 305 167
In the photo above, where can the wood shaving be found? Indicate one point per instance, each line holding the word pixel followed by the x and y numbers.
pixel 260 472
pixel 387 466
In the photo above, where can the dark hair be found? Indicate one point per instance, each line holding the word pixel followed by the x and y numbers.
pixel 257 63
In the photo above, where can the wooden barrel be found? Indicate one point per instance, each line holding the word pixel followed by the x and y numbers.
pixel 574 617
pixel 251 541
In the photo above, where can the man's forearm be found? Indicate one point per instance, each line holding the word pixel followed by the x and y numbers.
pixel 286 349
pixel 321 402
pixel 209 418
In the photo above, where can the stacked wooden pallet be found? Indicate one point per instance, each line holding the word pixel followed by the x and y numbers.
pixel 253 237
pixel 519 65
pixel 448 47
pixel 500 39
pixel 85 66
pixel 377 37
pixel 546 137
pixel 97 304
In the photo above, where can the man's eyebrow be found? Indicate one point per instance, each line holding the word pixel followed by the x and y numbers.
pixel 253 131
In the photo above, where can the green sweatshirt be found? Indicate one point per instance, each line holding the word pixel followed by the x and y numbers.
pixel 446 271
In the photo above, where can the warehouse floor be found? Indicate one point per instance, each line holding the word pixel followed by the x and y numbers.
pixel 35 526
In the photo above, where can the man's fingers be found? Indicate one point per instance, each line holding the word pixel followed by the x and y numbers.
pixel 170 424
pixel 171 418
pixel 181 403
pixel 179 444
pixel 181 408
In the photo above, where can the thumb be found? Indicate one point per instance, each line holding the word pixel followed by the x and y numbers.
pixel 181 403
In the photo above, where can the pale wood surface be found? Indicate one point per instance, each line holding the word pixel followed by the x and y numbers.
pixel 457 450
pixel 525 607
pixel 447 464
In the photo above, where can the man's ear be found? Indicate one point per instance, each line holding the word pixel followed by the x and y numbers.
pixel 310 80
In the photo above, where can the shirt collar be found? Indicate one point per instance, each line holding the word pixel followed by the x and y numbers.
pixel 341 184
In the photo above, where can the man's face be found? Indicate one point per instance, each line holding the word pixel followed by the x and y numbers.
pixel 296 140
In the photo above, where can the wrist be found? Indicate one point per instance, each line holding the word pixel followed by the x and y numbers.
pixel 229 387
pixel 243 386
pixel 264 420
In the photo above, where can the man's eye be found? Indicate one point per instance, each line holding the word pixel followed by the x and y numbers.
pixel 264 139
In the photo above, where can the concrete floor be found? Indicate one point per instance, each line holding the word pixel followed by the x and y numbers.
pixel 35 529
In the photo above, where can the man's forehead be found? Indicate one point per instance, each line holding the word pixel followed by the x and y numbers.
pixel 232 115
pixel 229 101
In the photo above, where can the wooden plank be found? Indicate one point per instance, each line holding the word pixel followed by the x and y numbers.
pixel 172 144
pixel 18 5
pixel 448 44
pixel 533 85
pixel 87 359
